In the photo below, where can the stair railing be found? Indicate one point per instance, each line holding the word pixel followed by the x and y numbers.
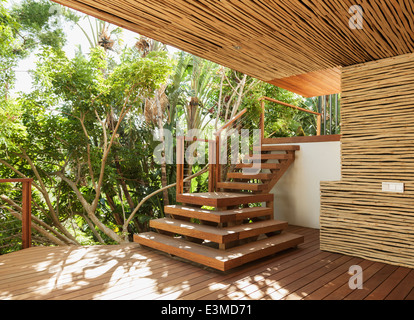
pixel 220 155
pixel 26 209
pixel 217 156
pixel 262 118
pixel 181 161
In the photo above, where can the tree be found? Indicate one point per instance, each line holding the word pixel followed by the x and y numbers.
pixel 24 28
pixel 73 121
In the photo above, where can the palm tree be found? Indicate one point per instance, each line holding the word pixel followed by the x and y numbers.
pixel 101 33
pixel 199 92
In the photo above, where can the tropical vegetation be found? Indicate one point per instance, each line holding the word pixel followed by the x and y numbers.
pixel 88 130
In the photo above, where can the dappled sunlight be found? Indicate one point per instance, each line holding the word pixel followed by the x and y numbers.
pixel 131 272
pixel 217 286
pixel 295 296
pixel 135 272
pixel 92 273
pixel 67 272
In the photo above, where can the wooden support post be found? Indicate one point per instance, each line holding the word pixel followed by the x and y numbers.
pixel 318 125
pixel 212 165
pixel 270 204
pixel 218 165
pixel 180 165
pixel 26 214
pixel 262 119
pixel 26 209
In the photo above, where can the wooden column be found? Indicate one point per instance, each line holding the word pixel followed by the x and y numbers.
pixel 26 209
pixel 262 119
pixel 212 165
pixel 180 165
pixel 318 124
pixel 26 214
pixel 217 175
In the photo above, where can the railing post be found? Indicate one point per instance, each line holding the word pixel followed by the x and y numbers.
pixel 212 165
pixel 26 214
pixel 318 124
pixel 180 165
pixel 262 119
pixel 26 209
pixel 217 175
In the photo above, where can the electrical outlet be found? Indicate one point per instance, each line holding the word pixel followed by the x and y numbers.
pixel 393 187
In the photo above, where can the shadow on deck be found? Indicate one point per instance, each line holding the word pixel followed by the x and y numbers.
pixel 134 272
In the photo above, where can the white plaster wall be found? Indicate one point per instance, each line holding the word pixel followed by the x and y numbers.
pixel 297 193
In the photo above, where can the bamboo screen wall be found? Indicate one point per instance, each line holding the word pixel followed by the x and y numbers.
pixel 357 218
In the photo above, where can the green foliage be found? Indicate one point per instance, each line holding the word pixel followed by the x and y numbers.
pixel 40 23
pixel 24 28
pixel 11 129
pixel 81 132
pixel 67 123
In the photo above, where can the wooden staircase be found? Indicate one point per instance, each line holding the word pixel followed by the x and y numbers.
pixel 258 175
pixel 230 226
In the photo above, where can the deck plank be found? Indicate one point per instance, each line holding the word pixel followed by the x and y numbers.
pixel 390 283
pixel 403 289
pixel 343 291
pixel 134 272
pixel 341 281
pixel 372 283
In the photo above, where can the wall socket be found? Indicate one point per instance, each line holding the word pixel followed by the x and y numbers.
pixel 393 187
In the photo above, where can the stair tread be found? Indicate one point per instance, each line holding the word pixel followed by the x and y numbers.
pixel 241 186
pixel 271 156
pixel 218 216
pixel 277 147
pixel 257 176
pixel 257 225
pixel 215 234
pixel 223 199
pixel 259 165
pixel 189 225
pixel 215 258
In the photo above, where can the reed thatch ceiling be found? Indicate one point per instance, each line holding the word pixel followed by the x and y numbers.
pixel 275 41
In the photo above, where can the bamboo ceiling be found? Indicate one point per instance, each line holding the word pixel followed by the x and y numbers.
pixel 270 40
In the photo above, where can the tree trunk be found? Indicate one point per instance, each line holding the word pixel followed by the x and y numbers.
pixel 124 185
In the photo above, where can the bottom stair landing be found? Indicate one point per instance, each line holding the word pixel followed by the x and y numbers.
pixel 236 232
pixel 219 259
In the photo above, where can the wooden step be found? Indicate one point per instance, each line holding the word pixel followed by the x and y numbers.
pixel 218 216
pixel 218 235
pixel 223 199
pixel 259 165
pixel 241 186
pixel 277 148
pixel 272 156
pixel 248 230
pixel 194 230
pixel 246 176
pixel 215 258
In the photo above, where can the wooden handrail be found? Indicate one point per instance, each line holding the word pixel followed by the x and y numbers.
pixel 319 115
pixel 26 210
pixel 289 105
pixel 231 121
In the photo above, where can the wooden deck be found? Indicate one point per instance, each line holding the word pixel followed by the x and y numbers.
pixel 133 272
